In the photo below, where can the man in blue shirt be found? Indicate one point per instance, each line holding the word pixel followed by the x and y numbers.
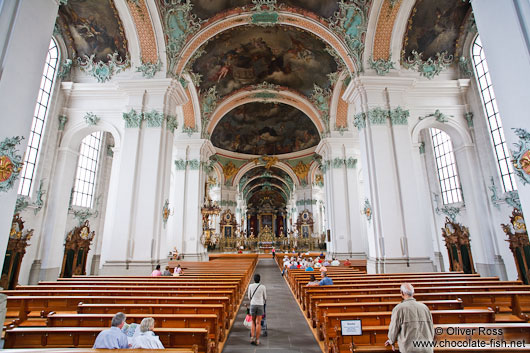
pixel 113 338
pixel 326 281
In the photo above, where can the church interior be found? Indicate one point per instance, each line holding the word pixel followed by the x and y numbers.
pixel 387 134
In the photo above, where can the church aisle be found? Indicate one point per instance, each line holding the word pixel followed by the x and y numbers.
pixel 287 328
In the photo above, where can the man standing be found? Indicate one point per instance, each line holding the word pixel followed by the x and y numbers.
pixel 113 338
pixel 410 322
pixel 258 296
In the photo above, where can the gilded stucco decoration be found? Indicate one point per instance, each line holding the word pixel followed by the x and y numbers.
pixel 10 162
pixel 301 170
pixel 229 170
pixel 521 156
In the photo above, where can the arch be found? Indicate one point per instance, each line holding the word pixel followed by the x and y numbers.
pixel 399 29
pixel 272 176
pixel 75 133
pixel 249 166
pixel 144 30
pixel 381 29
pixel 335 100
pixel 459 134
pixel 313 169
pixel 284 18
pixel 250 191
pixel 133 42
pixel 281 96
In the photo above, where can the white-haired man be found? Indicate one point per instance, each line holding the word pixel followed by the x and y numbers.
pixel 410 322
pixel 113 338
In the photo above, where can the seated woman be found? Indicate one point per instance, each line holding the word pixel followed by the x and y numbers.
pixel 178 271
pixel 166 272
pixel 312 281
pixel 144 337
pixel 156 272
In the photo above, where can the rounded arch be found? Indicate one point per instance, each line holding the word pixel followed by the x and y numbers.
pixel 75 133
pixel 313 170
pixel 249 166
pixel 272 176
pixel 281 96
pixel 399 29
pixel 287 18
pixel 254 187
pixel 459 134
pixel 131 34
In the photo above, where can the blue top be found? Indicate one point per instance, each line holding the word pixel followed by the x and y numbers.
pixel 309 268
pixel 326 281
pixel 112 338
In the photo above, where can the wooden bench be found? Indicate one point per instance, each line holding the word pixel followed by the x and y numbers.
pixel 208 321
pixel 90 350
pixel 84 337
pixel 374 337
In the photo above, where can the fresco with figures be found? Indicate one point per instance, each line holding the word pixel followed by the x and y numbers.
pixel 279 55
pixel 434 27
pixel 92 27
pixel 265 128
pixel 207 8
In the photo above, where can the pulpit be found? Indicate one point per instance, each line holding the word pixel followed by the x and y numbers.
pixel 76 248
pixel 519 244
pixel 458 246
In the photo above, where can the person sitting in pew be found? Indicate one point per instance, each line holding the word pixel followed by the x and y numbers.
pixel 145 337
pixel 113 338
pixel 156 272
pixel 312 281
pixel 166 272
pixel 347 263
pixel 178 271
pixel 326 281
pixel 335 262
pixel 410 322
pixel 309 267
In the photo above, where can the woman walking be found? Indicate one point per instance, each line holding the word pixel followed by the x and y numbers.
pixel 257 293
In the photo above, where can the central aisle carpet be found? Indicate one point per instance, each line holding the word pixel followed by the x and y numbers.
pixel 287 328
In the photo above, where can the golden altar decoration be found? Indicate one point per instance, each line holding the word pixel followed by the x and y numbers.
pixel 519 244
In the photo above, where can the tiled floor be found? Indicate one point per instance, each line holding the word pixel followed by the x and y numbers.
pixel 287 328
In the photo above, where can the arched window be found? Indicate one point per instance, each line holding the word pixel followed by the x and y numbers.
pixel 87 169
pixel 39 117
pixel 446 167
pixel 494 119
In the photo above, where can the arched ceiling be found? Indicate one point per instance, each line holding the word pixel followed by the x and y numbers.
pixel 92 28
pixel 208 8
pixel 265 198
pixel 249 55
pixel 261 181
pixel 434 27
pixel 265 129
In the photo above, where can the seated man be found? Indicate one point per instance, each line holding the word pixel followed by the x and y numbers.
pixel 326 263
pixel 326 281
pixel 335 262
pixel 294 266
pixel 309 267
pixel 113 338
pixel 166 272
pixel 347 262
pixel 410 322
pixel 312 281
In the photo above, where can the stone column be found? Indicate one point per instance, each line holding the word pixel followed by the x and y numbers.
pixel 24 44
pixel 395 209
pixel 342 209
pixel 504 28
pixel 134 238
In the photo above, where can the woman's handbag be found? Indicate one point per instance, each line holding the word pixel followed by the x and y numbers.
pixel 248 321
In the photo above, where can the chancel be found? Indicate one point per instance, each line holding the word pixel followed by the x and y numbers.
pixel 393 134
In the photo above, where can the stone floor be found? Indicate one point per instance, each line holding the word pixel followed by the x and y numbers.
pixel 288 330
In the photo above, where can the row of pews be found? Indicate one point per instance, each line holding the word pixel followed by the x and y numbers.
pixel 192 312
pixel 485 308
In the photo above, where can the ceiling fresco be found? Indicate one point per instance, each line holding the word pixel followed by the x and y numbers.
pixel 266 197
pixel 279 55
pixel 207 8
pixel 265 129
pixel 92 27
pixel 270 182
pixel 263 172
pixel 434 27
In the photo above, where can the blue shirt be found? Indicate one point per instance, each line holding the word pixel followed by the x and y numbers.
pixel 111 338
pixel 309 268
pixel 326 281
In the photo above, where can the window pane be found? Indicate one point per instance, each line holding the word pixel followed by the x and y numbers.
pixel 39 117
pixel 446 167
pixel 490 106
pixel 87 167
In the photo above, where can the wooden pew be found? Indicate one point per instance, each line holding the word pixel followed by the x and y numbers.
pixel 208 321
pixel 90 350
pixel 374 337
pixel 84 337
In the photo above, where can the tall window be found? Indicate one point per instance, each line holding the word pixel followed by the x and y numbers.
pixel 446 166
pixel 39 117
pixel 494 119
pixel 87 168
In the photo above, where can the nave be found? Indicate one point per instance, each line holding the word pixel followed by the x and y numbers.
pixel 203 310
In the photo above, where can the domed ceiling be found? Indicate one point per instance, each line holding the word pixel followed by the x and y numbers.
pixel 265 129
pixel 434 27
pixel 208 8
pixel 279 55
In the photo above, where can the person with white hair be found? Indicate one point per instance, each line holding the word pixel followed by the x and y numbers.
pixel 410 322
pixel 144 337
pixel 113 338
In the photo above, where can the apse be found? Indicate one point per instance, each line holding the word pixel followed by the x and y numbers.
pixel 265 129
